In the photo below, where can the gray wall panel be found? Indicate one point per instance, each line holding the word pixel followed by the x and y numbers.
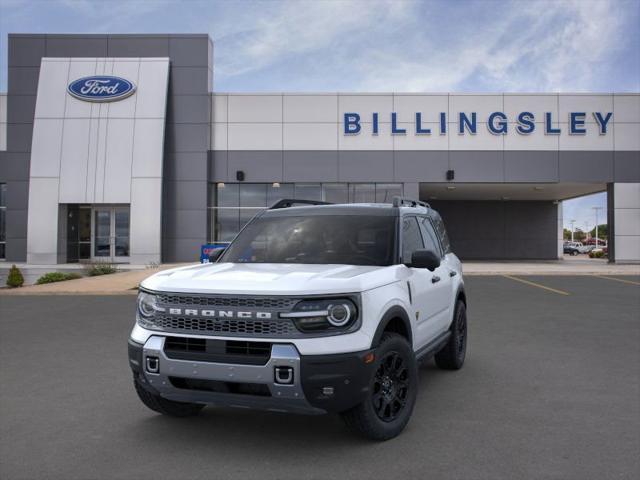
pixel 76 46
pixel 586 166
pixel 26 50
pixel 501 230
pixel 23 80
pixel 186 137
pixel 185 195
pixel 185 223
pixel 17 247
pixel 218 165
pixel 189 51
pixel 22 108
pixel 15 167
pixel 365 166
pixel 16 223
pixel 188 80
pixel 310 166
pixel 626 166
pixel 258 166
pixel 530 166
pixel 19 137
pixel 138 46
pixel 185 166
pixel 188 109
pixel 428 166
pixel 477 166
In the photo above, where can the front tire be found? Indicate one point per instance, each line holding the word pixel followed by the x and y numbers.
pixel 166 407
pixel 389 402
pixel 452 355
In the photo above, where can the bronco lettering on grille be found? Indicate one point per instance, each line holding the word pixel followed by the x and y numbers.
pixel 193 312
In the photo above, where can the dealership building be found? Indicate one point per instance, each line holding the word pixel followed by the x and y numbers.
pixel 118 148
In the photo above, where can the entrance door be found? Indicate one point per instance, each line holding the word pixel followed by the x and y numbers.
pixel 111 234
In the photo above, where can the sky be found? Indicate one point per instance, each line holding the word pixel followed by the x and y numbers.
pixel 377 45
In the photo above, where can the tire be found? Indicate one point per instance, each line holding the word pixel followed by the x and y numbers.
pixel 452 355
pixel 389 402
pixel 164 406
pixel 574 253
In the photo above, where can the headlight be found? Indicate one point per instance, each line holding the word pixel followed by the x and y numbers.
pixel 147 308
pixel 323 315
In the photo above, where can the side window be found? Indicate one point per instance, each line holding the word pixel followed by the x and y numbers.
pixel 442 234
pixel 411 238
pixel 430 239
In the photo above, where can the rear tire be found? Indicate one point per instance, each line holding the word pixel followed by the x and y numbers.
pixel 388 405
pixel 166 407
pixel 452 355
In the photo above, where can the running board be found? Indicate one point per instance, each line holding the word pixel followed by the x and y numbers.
pixel 433 347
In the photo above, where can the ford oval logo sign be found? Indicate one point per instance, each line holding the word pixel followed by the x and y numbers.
pixel 101 88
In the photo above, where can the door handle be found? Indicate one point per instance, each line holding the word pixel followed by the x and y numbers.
pixel 435 279
pixel 453 273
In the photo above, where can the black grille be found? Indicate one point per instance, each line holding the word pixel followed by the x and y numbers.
pixel 217 351
pixel 222 301
pixel 212 326
pixel 218 386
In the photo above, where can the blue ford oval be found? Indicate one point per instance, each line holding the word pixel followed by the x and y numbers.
pixel 101 88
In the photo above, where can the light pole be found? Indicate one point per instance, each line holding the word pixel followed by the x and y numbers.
pixel 572 222
pixel 596 210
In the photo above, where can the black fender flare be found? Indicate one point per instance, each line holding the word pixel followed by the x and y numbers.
pixel 394 312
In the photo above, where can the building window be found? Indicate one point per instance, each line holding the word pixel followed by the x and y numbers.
pixel 3 221
pixel 232 205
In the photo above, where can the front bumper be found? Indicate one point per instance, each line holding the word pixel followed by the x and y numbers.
pixel 319 383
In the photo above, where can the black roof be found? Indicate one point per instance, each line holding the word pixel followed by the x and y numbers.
pixel 373 209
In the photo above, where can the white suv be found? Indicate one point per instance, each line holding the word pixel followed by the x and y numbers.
pixel 311 309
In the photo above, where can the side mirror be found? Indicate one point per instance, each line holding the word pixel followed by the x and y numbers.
pixel 425 259
pixel 215 255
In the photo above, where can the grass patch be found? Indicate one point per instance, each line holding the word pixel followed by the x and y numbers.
pixel 97 269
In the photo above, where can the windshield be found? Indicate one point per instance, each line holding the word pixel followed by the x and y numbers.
pixel 344 239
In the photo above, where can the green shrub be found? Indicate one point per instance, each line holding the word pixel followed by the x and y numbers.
pixel 596 254
pixel 15 278
pixel 52 277
pixel 100 269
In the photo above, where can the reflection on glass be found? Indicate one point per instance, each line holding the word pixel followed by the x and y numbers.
pixel 335 193
pixel 3 233
pixel 386 191
pixel 285 190
pixel 122 233
pixel 362 193
pixel 253 195
pixel 3 194
pixel 103 233
pixel 308 191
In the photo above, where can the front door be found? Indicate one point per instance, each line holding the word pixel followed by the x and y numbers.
pixel 111 234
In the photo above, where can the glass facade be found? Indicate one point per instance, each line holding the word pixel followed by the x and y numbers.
pixel 232 205
pixel 3 220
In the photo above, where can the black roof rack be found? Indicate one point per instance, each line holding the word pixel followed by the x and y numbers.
pixel 290 202
pixel 401 201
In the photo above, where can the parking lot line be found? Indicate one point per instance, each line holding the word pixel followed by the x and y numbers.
pixel 534 284
pixel 631 282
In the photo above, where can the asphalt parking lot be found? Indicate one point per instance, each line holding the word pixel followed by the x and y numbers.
pixel 551 389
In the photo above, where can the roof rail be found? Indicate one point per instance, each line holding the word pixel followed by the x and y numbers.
pixel 401 201
pixel 290 202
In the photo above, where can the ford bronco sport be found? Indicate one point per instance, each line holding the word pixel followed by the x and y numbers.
pixel 313 308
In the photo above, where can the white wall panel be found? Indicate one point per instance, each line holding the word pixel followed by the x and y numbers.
pixel 482 140
pixel 310 136
pixel 151 94
pixel 3 108
pixel 627 249
pixel 411 141
pixel 74 160
pixel 626 107
pixel 255 108
pixel 146 216
pixel 365 105
pixel 534 141
pixel 51 87
pixel 592 140
pixel 628 221
pixel 125 108
pixel 43 220
pixel 430 106
pixel 148 144
pixel 483 105
pixel 627 136
pixel 118 161
pixel 92 160
pixel 219 104
pixel 626 195
pixel 255 136
pixel 219 136
pixel 45 147
pixel 366 141
pixel 584 103
pixel 310 108
pixel 536 104
pixel 3 136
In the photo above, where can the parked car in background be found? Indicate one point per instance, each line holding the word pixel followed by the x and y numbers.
pixel 571 249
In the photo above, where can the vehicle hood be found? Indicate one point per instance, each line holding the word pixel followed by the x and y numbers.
pixel 272 278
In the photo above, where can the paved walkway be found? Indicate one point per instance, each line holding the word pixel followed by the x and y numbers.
pixel 127 282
